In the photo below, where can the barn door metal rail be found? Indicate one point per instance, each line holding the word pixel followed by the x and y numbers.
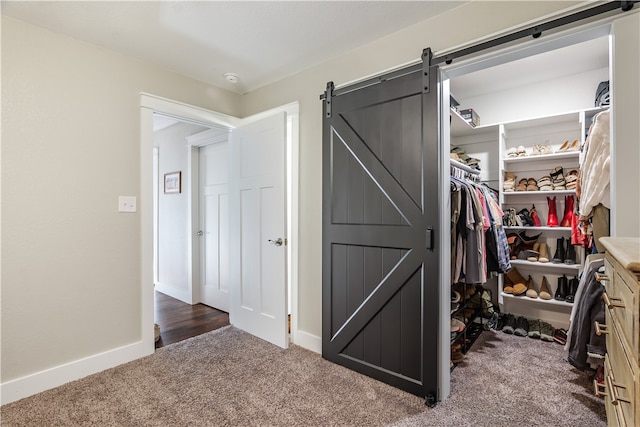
pixel 428 59
pixel 536 30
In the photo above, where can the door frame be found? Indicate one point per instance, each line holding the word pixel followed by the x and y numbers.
pixel 150 104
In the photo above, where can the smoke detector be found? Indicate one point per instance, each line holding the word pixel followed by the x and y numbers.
pixel 231 77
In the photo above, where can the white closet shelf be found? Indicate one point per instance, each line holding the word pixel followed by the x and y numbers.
pixel 541 228
pixel 537 193
pixel 540 300
pixel 545 265
pixel 555 156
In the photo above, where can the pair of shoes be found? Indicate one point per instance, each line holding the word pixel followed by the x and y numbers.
pixel 546 331
pixel 534 329
pixel 522 327
pixel 527 184
pixel 509 324
pixel 522 184
pixel 557 179
pixel 569 146
pixel 539 253
pixel 509 181
pixel 541 149
pixel 544 183
pixel 560 336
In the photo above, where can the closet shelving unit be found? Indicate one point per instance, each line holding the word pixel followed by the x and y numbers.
pixel 554 130
pixel 479 142
pixel 465 339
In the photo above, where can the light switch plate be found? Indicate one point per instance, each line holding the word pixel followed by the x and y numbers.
pixel 126 204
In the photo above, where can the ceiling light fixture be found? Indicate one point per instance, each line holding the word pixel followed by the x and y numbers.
pixel 231 77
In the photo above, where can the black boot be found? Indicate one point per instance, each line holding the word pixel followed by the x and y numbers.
pixel 570 257
pixel 559 255
pixel 562 289
pixel 573 288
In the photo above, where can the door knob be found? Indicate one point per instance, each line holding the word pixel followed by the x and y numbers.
pixel 276 242
pixel 200 233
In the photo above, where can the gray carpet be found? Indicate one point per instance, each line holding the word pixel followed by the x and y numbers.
pixel 228 377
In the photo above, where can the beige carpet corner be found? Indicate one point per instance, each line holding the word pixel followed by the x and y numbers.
pixel 228 377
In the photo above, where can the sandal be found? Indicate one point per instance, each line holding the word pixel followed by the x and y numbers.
pixel 572 180
pixel 512 152
pixel 521 151
pixel 544 184
pixel 558 180
pixel 522 185
pixel 546 148
pixel 532 185
pixel 509 181
pixel 536 150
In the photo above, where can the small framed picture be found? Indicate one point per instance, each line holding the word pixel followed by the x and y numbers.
pixel 173 182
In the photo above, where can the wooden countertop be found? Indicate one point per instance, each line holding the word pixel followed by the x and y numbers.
pixel 625 249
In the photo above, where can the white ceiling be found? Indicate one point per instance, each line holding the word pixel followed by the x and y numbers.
pixel 261 41
pixel 566 61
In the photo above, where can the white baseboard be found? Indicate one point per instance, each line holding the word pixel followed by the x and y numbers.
pixel 182 295
pixel 309 341
pixel 29 385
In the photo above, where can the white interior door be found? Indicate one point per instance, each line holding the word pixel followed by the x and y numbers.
pixel 258 226
pixel 214 225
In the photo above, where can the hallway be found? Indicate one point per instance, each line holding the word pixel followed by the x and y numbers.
pixel 179 321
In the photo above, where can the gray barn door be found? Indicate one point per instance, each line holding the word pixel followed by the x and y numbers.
pixel 380 256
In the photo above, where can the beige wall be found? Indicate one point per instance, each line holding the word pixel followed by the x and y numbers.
pixel 461 25
pixel 70 147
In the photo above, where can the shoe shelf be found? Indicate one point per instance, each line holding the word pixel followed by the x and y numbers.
pixel 538 193
pixel 555 134
pixel 546 265
pixel 563 156
pixel 539 300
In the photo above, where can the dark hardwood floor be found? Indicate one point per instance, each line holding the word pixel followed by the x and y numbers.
pixel 179 321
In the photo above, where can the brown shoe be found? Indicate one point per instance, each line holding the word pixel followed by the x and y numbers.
pixel 519 282
pixel 508 286
pixel 544 253
pixel 545 292
pixel 531 289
